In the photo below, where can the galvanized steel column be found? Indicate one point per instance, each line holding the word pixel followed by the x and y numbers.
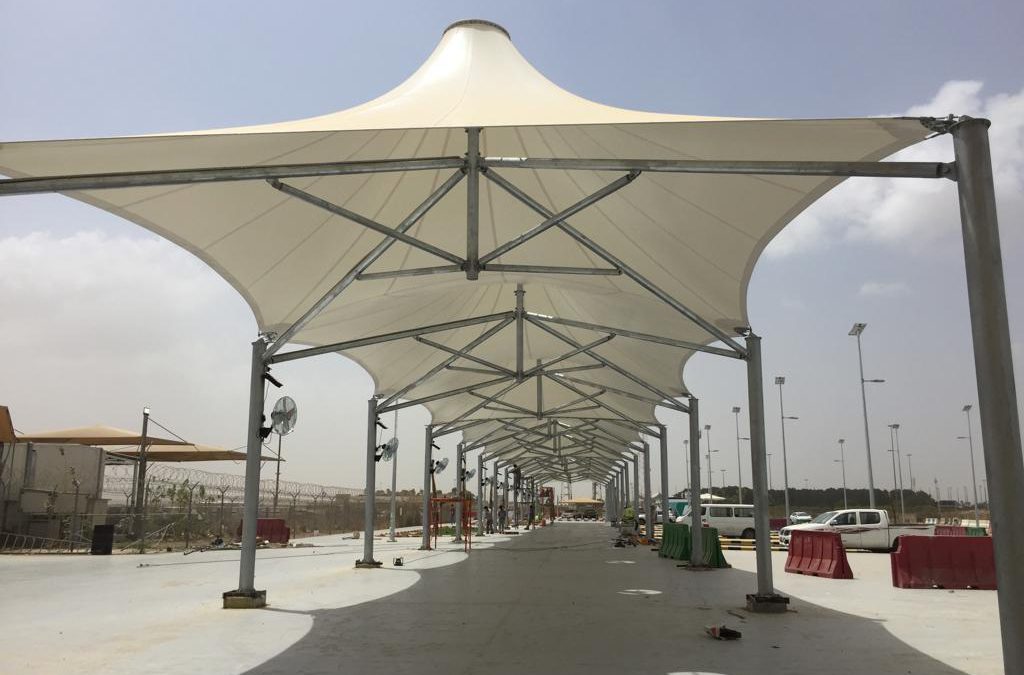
pixel 663 451
pixel 696 535
pixel 428 442
pixel 458 494
pixel 369 510
pixel 648 504
pixel 758 466
pixel 253 456
pixel 480 494
pixel 993 364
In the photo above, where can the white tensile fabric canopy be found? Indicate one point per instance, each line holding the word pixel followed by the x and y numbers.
pixel 694 236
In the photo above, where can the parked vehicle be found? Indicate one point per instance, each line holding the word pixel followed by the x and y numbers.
pixel 800 517
pixel 860 528
pixel 731 520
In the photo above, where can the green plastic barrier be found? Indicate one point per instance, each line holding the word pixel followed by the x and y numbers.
pixel 976 532
pixel 676 545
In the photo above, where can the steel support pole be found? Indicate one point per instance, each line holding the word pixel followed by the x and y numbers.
pixel 369 498
pixel 663 458
pixel 253 452
pixel 759 482
pixel 480 494
pixel 459 491
pixel 428 452
pixel 520 327
pixel 625 485
pixel 140 487
pixel 636 485
pixel 472 203
pixel 393 518
pixel 993 364
pixel 649 509
pixel 696 535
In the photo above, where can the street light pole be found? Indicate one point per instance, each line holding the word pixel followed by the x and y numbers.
pixel 857 329
pixel 711 489
pixel 899 463
pixel 910 470
pixel 842 462
pixel 780 380
pixel 897 482
pixel 769 456
pixel 974 479
pixel 739 463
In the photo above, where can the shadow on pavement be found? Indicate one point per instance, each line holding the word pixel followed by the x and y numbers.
pixel 562 601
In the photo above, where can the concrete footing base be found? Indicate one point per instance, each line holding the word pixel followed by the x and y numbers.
pixel 245 599
pixel 368 564
pixel 425 548
pixel 767 604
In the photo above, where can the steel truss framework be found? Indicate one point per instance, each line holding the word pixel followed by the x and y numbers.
pixel 590 438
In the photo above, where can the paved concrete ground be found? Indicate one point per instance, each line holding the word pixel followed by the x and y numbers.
pixel 559 599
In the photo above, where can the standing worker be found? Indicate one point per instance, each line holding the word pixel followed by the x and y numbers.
pixel 488 520
pixel 502 518
pixel 530 521
pixel 629 517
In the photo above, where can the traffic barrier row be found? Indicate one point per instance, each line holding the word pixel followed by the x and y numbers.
pixel 943 562
pixel 677 545
pixel 950 531
pixel 818 553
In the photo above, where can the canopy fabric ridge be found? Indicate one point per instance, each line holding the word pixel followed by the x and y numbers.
pixel 479 167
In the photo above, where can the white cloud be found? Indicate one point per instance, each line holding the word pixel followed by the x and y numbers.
pixel 881 289
pixel 911 212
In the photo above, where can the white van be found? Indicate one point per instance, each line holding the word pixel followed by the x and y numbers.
pixel 731 520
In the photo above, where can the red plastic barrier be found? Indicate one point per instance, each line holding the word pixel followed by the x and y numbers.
pixel 273 530
pixel 944 562
pixel 818 553
pixel 777 523
pixel 950 531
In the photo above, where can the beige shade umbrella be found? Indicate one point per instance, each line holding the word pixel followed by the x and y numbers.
pixel 193 452
pixel 96 435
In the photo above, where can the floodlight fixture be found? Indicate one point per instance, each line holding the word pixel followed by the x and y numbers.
pixel 967 408
pixel 145 411
pixel 779 379
pixel 736 409
pixel 858 328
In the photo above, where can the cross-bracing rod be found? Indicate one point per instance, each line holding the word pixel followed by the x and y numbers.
pixel 364 264
pixel 464 354
pixel 445 394
pixel 669 400
pixel 554 219
pixel 360 219
pixel 487 334
pixel 624 332
pixel 386 337
pixel 608 257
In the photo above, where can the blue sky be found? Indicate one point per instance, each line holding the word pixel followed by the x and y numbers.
pixel 103 318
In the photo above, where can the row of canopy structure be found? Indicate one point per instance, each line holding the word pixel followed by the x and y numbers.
pixel 532 267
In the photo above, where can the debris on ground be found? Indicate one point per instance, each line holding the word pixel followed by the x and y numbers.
pixel 722 632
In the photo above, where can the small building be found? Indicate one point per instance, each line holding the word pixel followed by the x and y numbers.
pixel 51 490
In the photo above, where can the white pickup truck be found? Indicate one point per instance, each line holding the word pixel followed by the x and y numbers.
pixel 860 528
